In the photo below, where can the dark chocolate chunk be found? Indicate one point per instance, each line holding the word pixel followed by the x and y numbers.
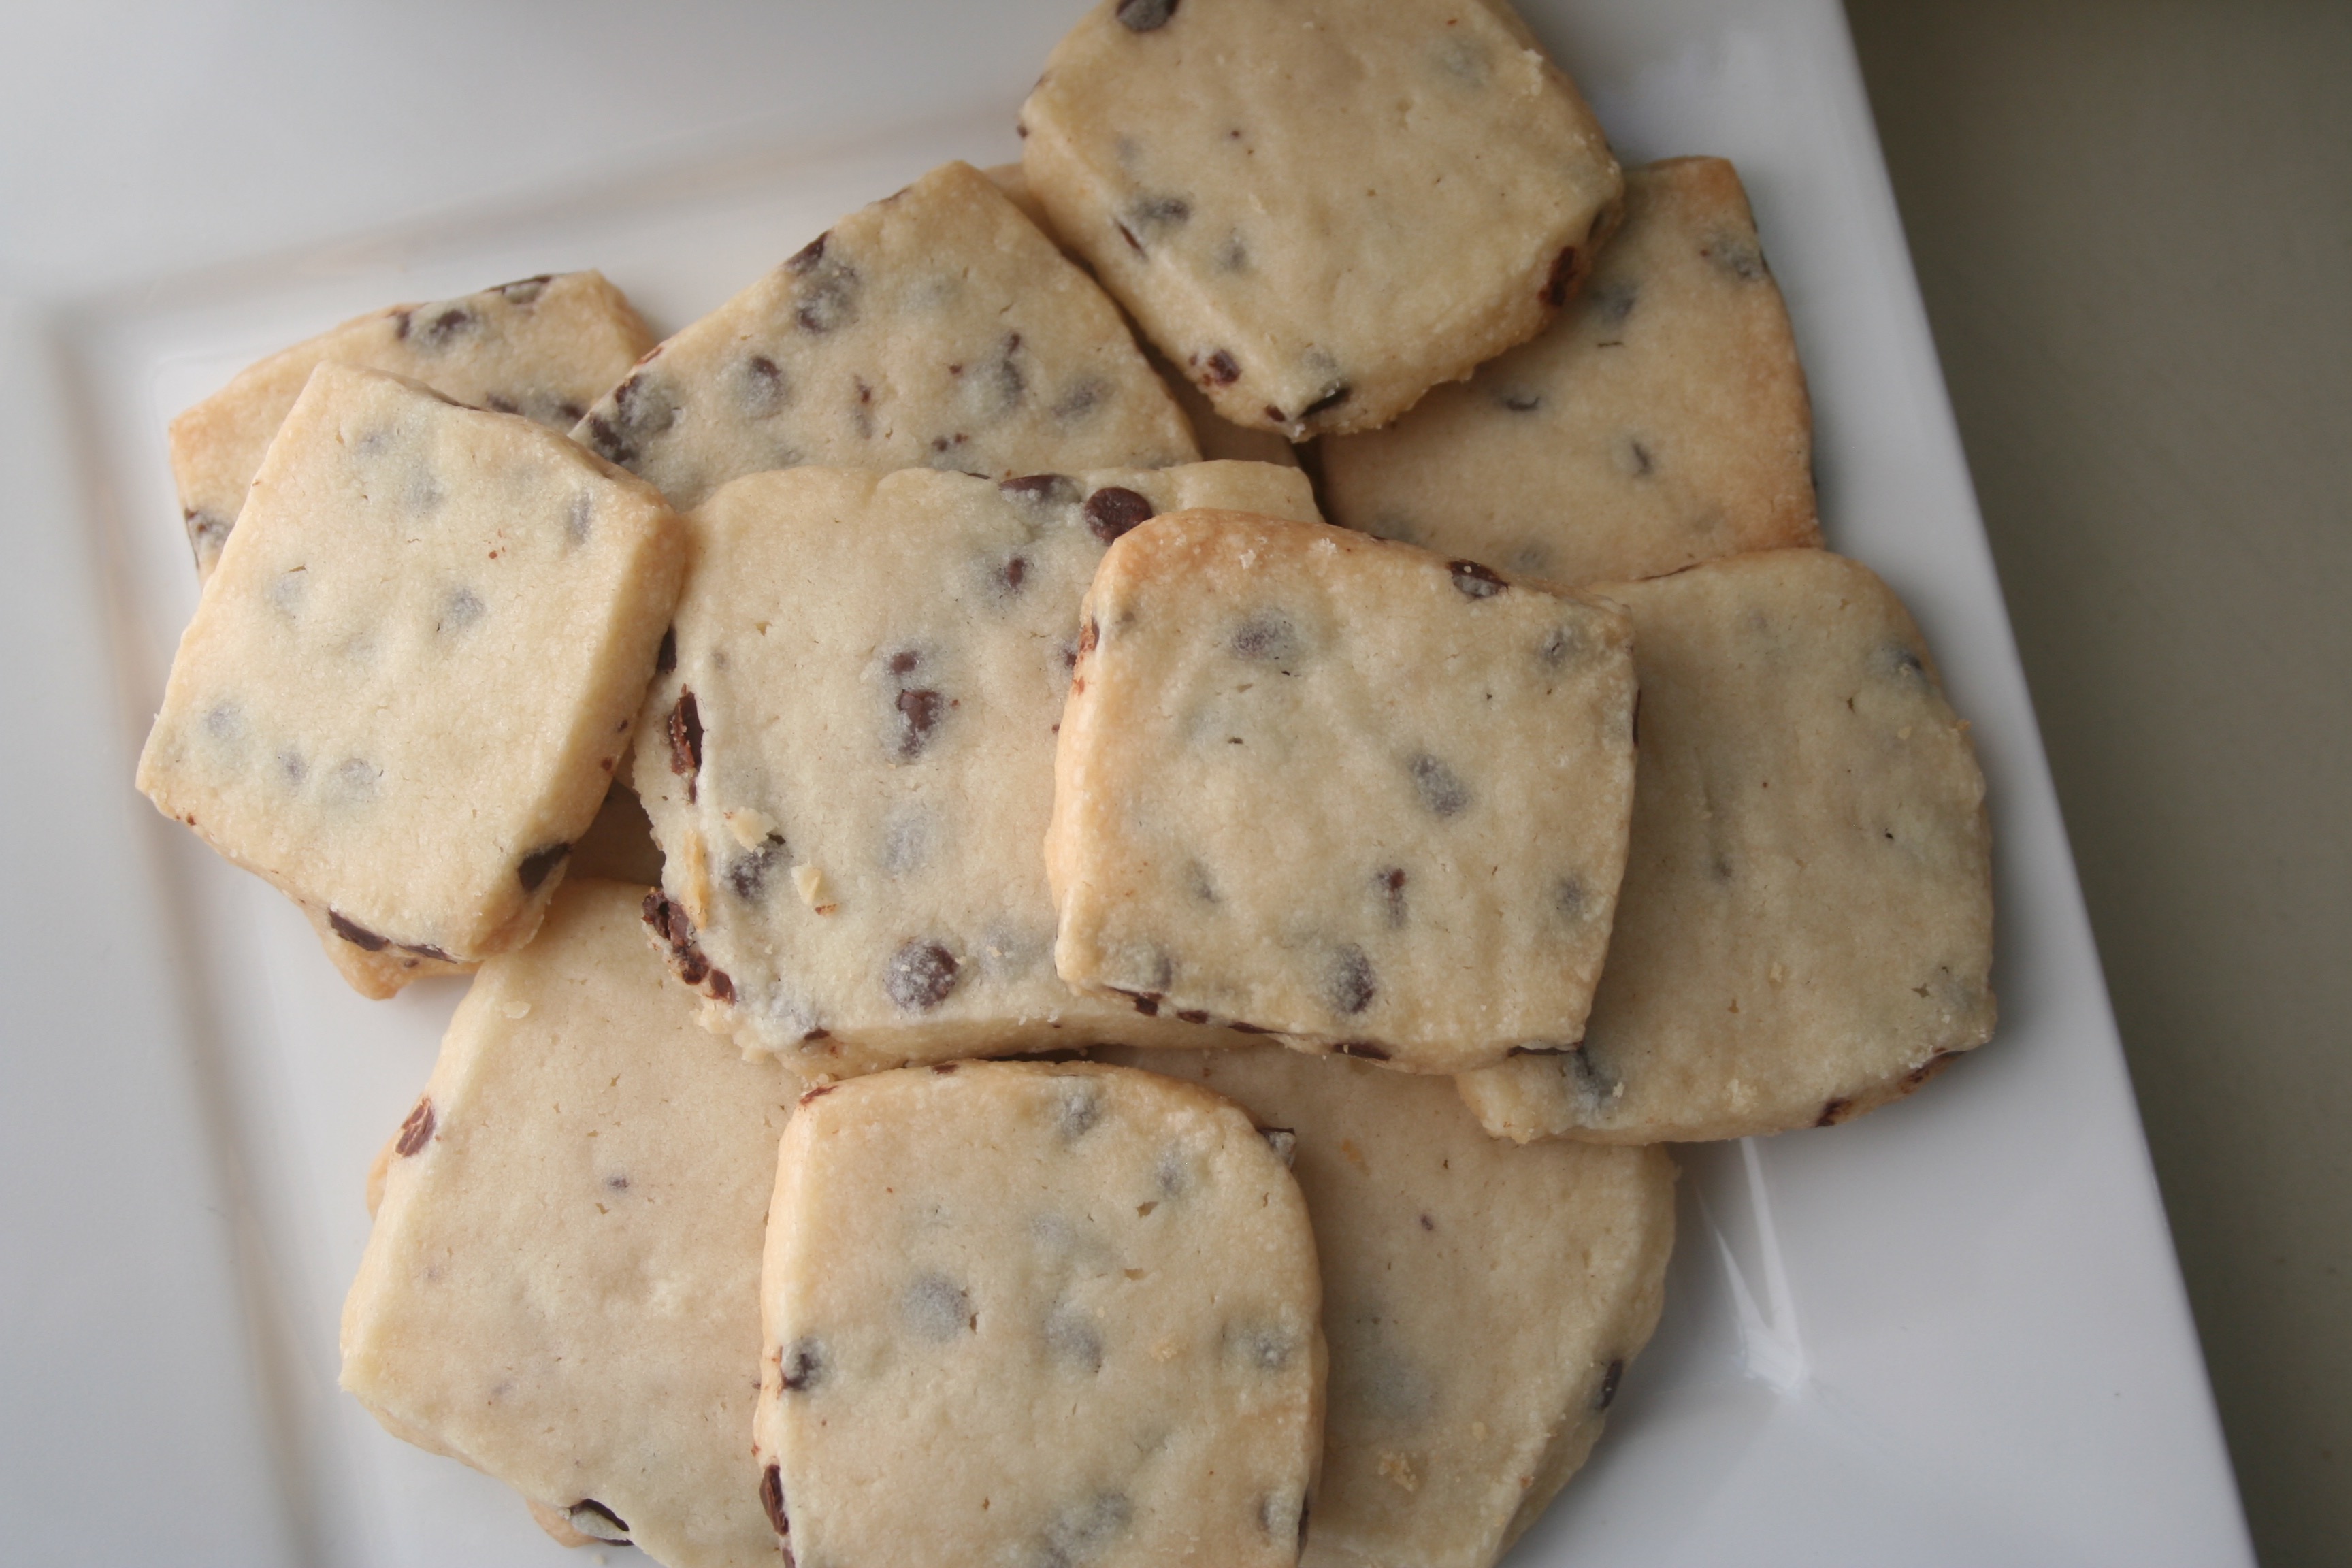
pixel 772 1498
pixel 1568 899
pixel 1128 235
pixel 642 409
pixel 803 1364
pixel 442 328
pixel 1834 1111
pixel 686 739
pixel 1042 489
pixel 1331 398
pixel 1441 791
pixel 1276 415
pixel 935 1308
pixel 417 1131
pixel 1192 1014
pixel 666 659
pixel 1089 636
pixel 1081 1108
pixel 592 1519
pixel 533 868
pixel 525 291
pixel 1012 573
pixel 920 975
pixel 671 923
pixel 1145 15
pixel 918 714
pixel 1567 271
pixel 805 258
pixel 357 935
pixel 747 874
pixel 762 388
pixel 828 298
pixel 721 985
pixel 1223 369
pixel 1267 637
pixel 1082 1533
pixel 1476 582
pixel 1081 399
pixel 1146 1001
pixel 1113 510
pixel 1609 1379
pixel 1390 882
pixel 1153 214
pixel 1347 985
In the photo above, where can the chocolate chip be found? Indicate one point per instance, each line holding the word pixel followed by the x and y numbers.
pixel 904 661
pixel 827 300
pixel 666 659
pixel 1568 899
pixel 1736 255
pixel 1145 15
pixel 805 258
pixel 1266 638
pixel 935 1308
pixel 999 387
pixel 686 739
pixel 919 714
pixel 1634 459
pixel 761 387
pixel 1223 369
pixel 1113 510
pixel 747 874
pixel 772 1498
pixel 1072 1341
pixel 1476 582
pixel 1128 235
pixel 1089 636
pixel 459 611
pixel 1276 415
pixel 1332 398
pixel 1153 214
pixel 533 868
pixel 1192 1014
pixel 1041 490
pixel 417 1131
pixel 1834 1111
pixel 525 291
pixel 1441 791
pixel 1608 1395
pixel 1012 573
pixel 674 928
pixel 1348 985
pixel 1567 268
pixel 721 984
pixel 427 950
pixel 642 408
pixel 442 328
pixel 1081 1108
pixel 357 935
pixel 1081 399
pixel 1390 881
pixel 592 1519
pixel 920 975
pixel 1146 1001
pixel 1521 402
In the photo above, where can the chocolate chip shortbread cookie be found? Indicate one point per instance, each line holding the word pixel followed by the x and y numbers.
pixel 849 755
pixel 1032 1313
pixel 1806 926
pixel 1320 209
pixel 414 668
pixel 544 348
pixel 561 1289
pixel 1481 1301
pixel 1340 790
pixel 1660 421
pixel 936 328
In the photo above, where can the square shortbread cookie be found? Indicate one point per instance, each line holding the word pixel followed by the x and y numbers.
pixel 936 328
pixel 1323 209
pixel 544 348
pixel 1480 1301
pixel 1660 421
pixel 1036 1314
pixel 1340 790
pixel 416 667
pixel 561 1288
pixel 1806 926
pixel 849 757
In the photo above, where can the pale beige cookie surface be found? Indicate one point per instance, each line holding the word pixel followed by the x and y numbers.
pixel 849 757
pixel 1025 1313
pixel 1340 790
pixel 1481 1301
pixel 544 348
pixel 408 681
pixel 1806 926
pixel 561 1288
pixel 1660 421
pixel 936 328
pixel 1320 209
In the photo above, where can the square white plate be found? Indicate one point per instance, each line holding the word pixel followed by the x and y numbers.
pixel 1951 1333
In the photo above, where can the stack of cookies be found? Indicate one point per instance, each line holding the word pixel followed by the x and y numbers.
pixel 1365 902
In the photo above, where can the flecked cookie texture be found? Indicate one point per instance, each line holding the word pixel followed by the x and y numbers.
pixel 561 1289
pixel 1322 208
pixel 416 667
pixel 849 755
pixel 544 348
pixel 1481 1301
pixel 936 328
pixel 1806 926
pixel 1340 790
pixel 1660 421
pixel 1036 1314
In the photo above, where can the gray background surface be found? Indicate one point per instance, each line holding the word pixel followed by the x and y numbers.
pixel 2132 223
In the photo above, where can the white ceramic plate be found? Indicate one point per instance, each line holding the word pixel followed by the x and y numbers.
pixel 1951 1333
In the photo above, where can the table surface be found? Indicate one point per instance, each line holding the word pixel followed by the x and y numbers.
pixel 2133 228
